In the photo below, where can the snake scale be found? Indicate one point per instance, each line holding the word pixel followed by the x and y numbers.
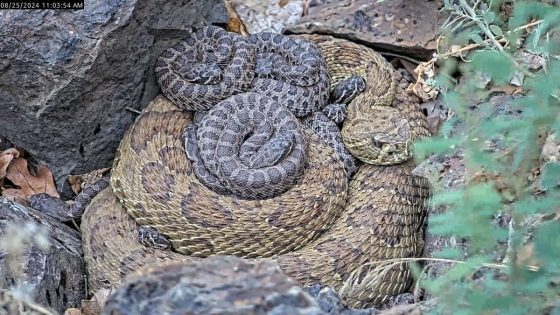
pixel 319 227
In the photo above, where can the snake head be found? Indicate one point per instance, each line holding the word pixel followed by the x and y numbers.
pixel 200 73
pixel 382 138
pixel 273 151
pixel 347 89
pixel 393 145
pixel 391 149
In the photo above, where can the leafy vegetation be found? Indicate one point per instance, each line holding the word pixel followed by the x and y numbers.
pixel 511 268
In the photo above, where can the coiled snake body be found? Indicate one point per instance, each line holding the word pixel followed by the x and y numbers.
pixel 319 227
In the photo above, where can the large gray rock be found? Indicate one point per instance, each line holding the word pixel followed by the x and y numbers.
pixel 67 77
pixel 56 275
pixel 403 26
pixel 215 285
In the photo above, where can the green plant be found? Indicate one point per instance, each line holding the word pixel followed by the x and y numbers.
pixel 496 277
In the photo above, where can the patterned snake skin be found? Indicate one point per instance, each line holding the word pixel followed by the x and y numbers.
pixel 267 163
pixel 154 179
pixel 206 68
pixel 326 128
pixel 373 131
pixel 213 64
pixel 302 87
pixel 322 229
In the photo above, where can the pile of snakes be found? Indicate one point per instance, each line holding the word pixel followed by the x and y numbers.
pixel 290 148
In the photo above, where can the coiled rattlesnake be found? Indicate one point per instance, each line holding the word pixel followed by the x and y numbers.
pixel 321 230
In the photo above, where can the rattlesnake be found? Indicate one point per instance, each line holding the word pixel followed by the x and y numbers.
pixel 321 230
pixel 373 131
pixel 267 163
pixel 213 64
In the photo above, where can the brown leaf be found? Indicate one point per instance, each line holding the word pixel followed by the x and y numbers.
pixel 15 195
pixel 5 158
pixel 43 182
pixel 75 183
pixel 234 24
pixel 282 3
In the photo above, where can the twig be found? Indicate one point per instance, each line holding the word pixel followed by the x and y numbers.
pixel 459 51
pixel 133 110
pixel 402 260
pixel 525 26
pixel 413 60
pixel 482 26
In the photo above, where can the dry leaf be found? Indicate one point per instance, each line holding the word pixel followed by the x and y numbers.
pixel 282 3
pixel 507 89
pixel 234 24
pixel 5 158
pixel 425 72
pixel 29 185
pixel 75 183
pixel 90 307
pixel 305 11
pixel 15 195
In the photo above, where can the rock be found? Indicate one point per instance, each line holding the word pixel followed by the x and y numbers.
pixel 406 309
pixel 436 114
pixel 215 285
pixel 4 144
pixel 67 77
pixel 331 304
pixel 56 276
pixel 406 27
pixel 268 15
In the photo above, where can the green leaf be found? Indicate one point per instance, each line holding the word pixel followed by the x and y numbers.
pixel 448 197
pixel 551 175
pixel 477 39
pixel 496 64
pixel 533 205
pixel 496 30
pixel 431 146
pixel 547 246
pixel 489 17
